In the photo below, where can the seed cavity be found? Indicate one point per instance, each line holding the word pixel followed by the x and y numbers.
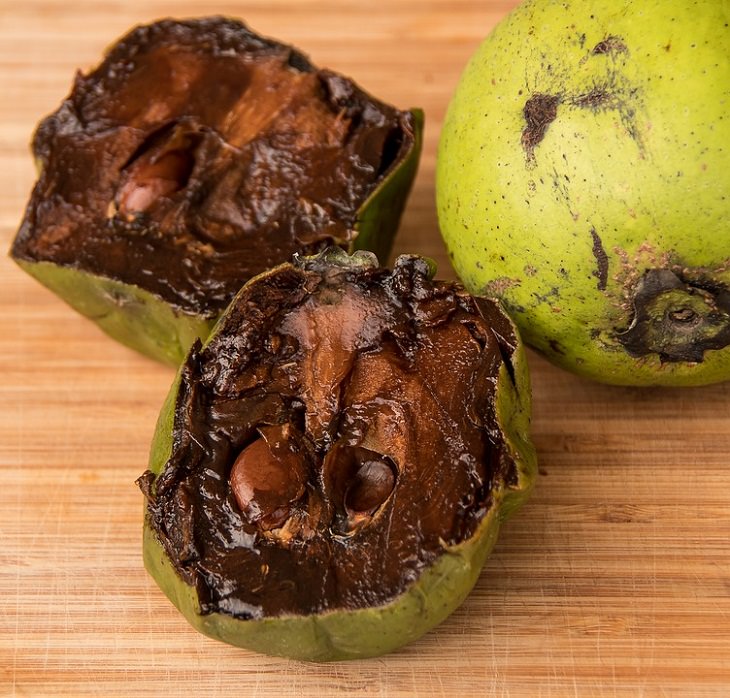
pixel 370 487
pixel 269 476
pixel 160 167
pixel 358 482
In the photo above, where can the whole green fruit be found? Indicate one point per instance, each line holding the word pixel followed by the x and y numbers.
pixel 582 178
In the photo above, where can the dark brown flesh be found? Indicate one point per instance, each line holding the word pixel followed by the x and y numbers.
pixel 198 155
pixel 337 432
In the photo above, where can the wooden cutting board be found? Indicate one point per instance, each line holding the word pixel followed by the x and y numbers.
pixel 613 580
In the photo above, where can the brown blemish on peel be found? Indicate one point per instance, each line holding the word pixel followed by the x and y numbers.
pixel 609 91
pixel 497 287
pixel 557 347
pixel 599 253
pixel 539 112
pixel 596 98
pixel 610 45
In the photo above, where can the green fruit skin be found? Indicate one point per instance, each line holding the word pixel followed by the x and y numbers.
pixel 150 325
pixel 341 635
pixel 133 316
pixel 378 218
pixel 640 177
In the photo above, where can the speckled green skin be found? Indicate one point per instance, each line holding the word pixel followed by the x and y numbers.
pixel 340 635
pixel 632 174
pixel 147 323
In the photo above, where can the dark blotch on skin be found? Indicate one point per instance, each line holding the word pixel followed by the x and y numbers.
pixel 556 347
pixel 599 253
pixel 539 111
pixel 611 44
pixel 597 98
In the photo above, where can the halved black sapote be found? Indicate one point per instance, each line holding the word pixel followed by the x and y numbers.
pixel 195 156
pixel 330 470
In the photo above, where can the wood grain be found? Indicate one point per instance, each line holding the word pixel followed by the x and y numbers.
pixel 614 579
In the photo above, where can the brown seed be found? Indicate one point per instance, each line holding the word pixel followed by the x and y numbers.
pixel 269 476
pixel 372 485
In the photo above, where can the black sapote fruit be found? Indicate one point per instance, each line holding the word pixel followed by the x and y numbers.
pixel 195 156
pixel 583 180
pixel 331 468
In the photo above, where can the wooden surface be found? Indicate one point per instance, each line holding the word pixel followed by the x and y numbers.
pixel 613 580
